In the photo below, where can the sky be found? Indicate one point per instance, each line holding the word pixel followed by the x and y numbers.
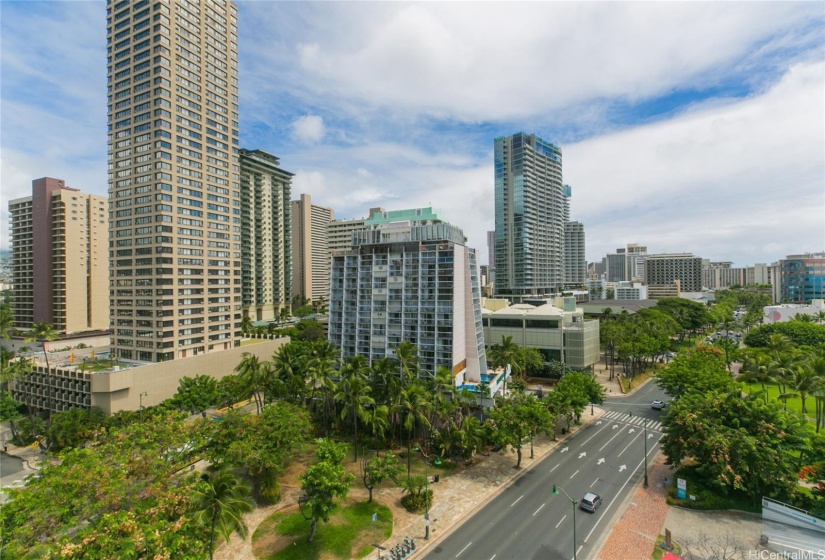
pixel 686 127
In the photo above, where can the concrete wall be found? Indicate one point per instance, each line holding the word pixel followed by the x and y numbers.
pixel 121 390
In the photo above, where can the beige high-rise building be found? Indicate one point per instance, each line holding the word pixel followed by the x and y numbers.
pixel 174 185
pixel 340 232
pixel 267 235
pixel 310 250
pixel 59 262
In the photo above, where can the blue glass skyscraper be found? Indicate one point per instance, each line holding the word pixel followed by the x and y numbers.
pixel 531 211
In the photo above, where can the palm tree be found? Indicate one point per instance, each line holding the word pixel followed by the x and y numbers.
pixel 251 372
pixel 290 368
pixel 804 382
pixel 377 420
pixel 354 395
pixel 44 332
pixel 246 325
pixel 220 505
pixel 756 368
pixel 407 355
pixel 818 389
pixel 413 408
pixel 820 317
pixel 321 369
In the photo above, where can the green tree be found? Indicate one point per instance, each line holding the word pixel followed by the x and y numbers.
pixel 246 325
pixel 220 504
pixel 196 393
pixel 73 427
pixel 323 482
pixel 378 469
pixel 797 332
pixel 514 419
pixel 735 443
pixel 6 321
pixel 578 390
pixel 701 369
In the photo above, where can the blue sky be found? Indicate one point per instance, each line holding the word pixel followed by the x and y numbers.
pixel 687 127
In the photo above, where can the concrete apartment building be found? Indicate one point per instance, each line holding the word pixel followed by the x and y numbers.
pixel 266 235
pixel 556 328
pixel 661 270
pixel 174 178
pixel 60 267
pixel 719 275
pixel 310 249
pixel 339 232
pixel 531 209
pixel 575 263
pixel 409 277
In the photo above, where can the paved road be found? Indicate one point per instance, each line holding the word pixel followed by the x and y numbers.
pixel 9 465
pixel 526 522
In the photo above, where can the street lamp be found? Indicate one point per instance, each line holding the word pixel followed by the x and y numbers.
pixel 143 394
pixel 426 496
pixel 645 452
pixel 575 504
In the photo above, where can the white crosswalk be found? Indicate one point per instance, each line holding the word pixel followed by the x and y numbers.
pixel 632 420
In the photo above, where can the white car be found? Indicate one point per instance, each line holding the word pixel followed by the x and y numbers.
pixel 658 405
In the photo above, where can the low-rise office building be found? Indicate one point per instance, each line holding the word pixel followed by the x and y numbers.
pixel 559 332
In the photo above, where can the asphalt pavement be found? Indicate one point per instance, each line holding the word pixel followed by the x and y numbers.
pixel 526 521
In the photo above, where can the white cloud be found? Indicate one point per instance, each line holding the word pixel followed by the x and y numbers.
pixel 725 181
pixel 516 60
pixel 308 129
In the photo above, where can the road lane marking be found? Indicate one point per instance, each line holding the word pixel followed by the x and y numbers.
pixel 554 468
pixel 616 496
pixel 559 523
pixel 538 510
pixel 514 503
pixel 629 444
pixel 597 433
pixel 463 549
pixel 574 474
pixel 594 482
pixel 611 439
pixel 493 556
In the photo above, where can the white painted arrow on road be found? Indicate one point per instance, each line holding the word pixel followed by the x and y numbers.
pixel 649 436
pixel 630 431
pixel 582 454
pixel 565 449
pixel 599 423
pixel 615 426
pixel 600 461
pixel 623 467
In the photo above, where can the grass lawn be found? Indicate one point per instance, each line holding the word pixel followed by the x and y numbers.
pixel 248 341
pixel 794 403
pixel 96 365
pixel 349 534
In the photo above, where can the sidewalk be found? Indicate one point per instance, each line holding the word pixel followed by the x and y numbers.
pixel 634 535
pixel 455 498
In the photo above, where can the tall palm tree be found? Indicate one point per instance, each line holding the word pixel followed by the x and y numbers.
pixel 321 369
pixel 815 363
pixel 220 504
pixel 413 408
pixel 756 368
pixel 44 332
pixel 407 355
pixel 804 382
pixel 246 325
pixel 251 372
pixel 290 369
pixel 377 420
pixel 354 395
